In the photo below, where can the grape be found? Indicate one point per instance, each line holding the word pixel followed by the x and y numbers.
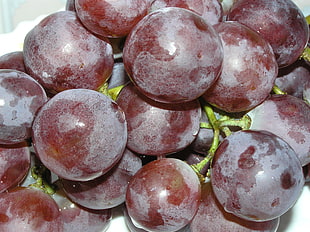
pixel 111 18
pixel 80 134
pixel 163 195
pixel 28 210
pixel 61 54
pixel 14 165
pixel 293 78
pixel 161 59
pixel 210 10
pixel 249 69
pixel 256 175
pixel 157 128
pixel 79 219
pixel 20 98
pixel 106 191
pixel 13 60
pixel 289 118
pixel 212 217
pixel 280 22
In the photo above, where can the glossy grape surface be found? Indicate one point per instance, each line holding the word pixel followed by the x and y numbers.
pixel 29 210
pixel 256 175
pixel 280 22
pixel 13 60
pixel 212 217
pixel 163 195
pixel 14 165
pixel 111 18
pixel 108 190
pixel 62 54
pixel 249 69
pixel 210 10
pixel 163 61
pixel 20 98
pixel 289 118
pixel 157 128
pixel 80 134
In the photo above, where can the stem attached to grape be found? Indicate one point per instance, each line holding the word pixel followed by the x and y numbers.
pixel 40 173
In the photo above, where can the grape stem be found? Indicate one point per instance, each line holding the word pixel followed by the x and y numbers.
pixel 218 125
pixel 40 173
pixel 306 54
pixel 277 90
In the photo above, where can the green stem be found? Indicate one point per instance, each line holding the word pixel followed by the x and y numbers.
pixel 40 173
pixel 306 54
pixel 244 123
pixel 277 90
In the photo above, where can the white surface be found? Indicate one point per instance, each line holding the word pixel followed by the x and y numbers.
pixel 295 220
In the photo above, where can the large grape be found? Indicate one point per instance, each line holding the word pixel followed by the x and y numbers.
pixel 163 195
pixel 62 54
pixel 156 128
pixel 20 98
pixel 249 69
pixel 80 134
pixel 289 118
pixel 256 175
pixel 280 22
pixel 164 62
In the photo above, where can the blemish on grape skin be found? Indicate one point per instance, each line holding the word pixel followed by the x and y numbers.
pixel 287 181
pixel 246 160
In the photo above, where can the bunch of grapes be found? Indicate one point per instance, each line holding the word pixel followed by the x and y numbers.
pixel 191 115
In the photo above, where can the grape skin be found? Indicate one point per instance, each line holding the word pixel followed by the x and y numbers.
pixel 62 54
pixel 156 128
pixel 13 60
pixel 249 69
pixel 80 134
pixel 163 62
pixel 163 195
pixel 256 175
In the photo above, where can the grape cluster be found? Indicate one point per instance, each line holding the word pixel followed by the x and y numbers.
pixel 191 115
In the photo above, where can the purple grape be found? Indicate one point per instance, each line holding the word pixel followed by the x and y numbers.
pixel 212 217
pixel 163 195
pixel 280 22
pixel 163 61
pixel 80 134
pixel 249 69
pixel 62 54
pixel 13 60
pixel 20 98
pixel 289 118
pixel 256 175
pixel 156 128
pixel 209 10
pixel 107 191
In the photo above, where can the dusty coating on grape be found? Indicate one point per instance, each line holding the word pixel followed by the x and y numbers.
pixel 257 180
pixel 62 54
pixel 155 128
pixel 163 195
pixel 162 60
pixel 80 134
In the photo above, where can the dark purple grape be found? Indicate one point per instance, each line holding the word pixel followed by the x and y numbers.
pixel 249 69
pixel 280 22
pixel 111 18
pixel 20 98
pixel 80 134
pixel 14 165
pixel 108 190
pixel 212 217
pixel 289 118
pixel 163 61
pixel 163 195
pixel 29 210
pixel 209 10
pixel 13 60
pixel 62 54
pixel 256 175
pixel 156 128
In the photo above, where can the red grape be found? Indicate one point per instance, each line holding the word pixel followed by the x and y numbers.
pixel 62 54
pixel 163 61
pixel 256 175
pixel 13 60
pixel 163 195
pixel 249 69
pixel 80 134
